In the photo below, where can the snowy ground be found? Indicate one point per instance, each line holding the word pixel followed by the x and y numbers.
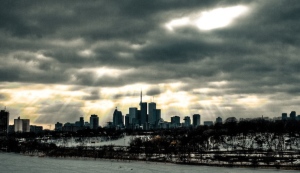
pixel 91 141
pixel 25 164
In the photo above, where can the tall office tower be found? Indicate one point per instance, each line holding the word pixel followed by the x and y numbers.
pixel 175 120
pixel 133 119
pixel 144 118
pixel 187 121
pixel 117 118
pixel 219 120
pixel 156 116
pixel 26 125
pixel 284 116
pixel 81 121
pixel 94 121
pixel 138 120
pixel 143 106
pixel 18 125
pixel 22 125
pixel 4 121
pixel 151 110
pixel 196 120
pixel 293 115
pixel 127 117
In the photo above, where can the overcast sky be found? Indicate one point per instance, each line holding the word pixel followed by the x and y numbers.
pixel 65 59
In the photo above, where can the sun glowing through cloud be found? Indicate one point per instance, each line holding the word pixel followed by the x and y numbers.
pixel 208 20
pixel 219 17
pixel 177 23
pixel 252 101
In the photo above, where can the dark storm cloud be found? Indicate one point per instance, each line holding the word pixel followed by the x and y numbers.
pixel 93 95
pixel 256 54
pixel 120 95
pixel 153 91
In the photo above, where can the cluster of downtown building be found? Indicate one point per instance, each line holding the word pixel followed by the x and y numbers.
pixel 149 117
pixel 146 118
pixel 23 125
pixel 20 125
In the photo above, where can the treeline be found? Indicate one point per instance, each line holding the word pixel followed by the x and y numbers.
pixel 244 135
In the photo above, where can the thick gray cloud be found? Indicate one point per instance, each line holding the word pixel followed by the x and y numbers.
pixel 93 95
pixel 153 91
pixel 55 42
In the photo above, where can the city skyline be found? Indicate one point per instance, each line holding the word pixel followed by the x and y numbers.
pixel 217 59
pixel 133 120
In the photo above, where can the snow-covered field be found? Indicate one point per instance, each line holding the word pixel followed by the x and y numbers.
pixel 91 141
pixel 25 164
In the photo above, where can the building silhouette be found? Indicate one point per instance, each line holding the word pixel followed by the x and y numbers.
pixel 208 123
pixel 196 120
pixel 156 116
pixel 4 122
pixel 127 125
pixel 187 121
pixel 21 125
pixel 219 120
pixel 58 126
pixel 81 121
pixel 118 118
pixel 143 117
pixel 36 129
pixel 151 112
pixel 133 116
pixel 284 116
pixel 94 121
pixel 175 121
pixel 293 115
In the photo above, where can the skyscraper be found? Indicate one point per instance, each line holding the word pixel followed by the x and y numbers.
pixel 156 116
pixel 175 120
pixel 144 118
pixel 133 117
pixel 127 120
pixel 94 121
pixel 26 125
pixel 293 115
pixel 187 121
pixel 117 118
pixel 151 110
pixel 4 121
pixel 22 125
pixel 139 117
pixel 81 120
pixel 143 106
pixel 196 120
